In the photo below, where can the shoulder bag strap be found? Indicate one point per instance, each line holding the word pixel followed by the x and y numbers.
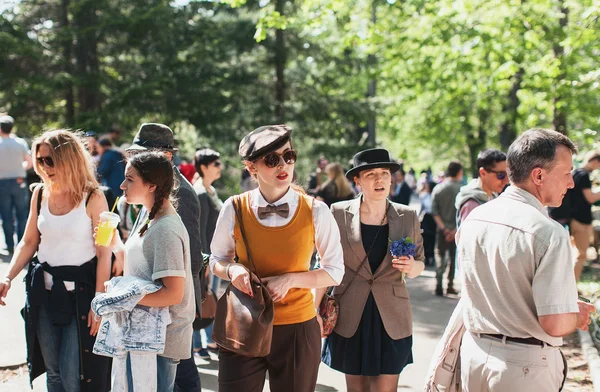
pixel 238 212
pixel 40 189
pixel 89 196
pixel 364 262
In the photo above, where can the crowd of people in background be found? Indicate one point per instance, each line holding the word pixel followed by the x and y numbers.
pixel 177 251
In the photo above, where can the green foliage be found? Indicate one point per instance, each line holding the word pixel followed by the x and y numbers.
pixel 445 72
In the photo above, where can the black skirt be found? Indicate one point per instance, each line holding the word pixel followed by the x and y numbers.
pixel 371 351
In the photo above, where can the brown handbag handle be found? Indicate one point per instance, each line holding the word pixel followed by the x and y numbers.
pixel 363 263
pixel 238 212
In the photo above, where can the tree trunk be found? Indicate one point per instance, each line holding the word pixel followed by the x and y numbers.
pixel 85 22
pixel 280 61
pixel 372 87
pixel 477 138
pixel 560 115
pixel 67 40
pixel 508 128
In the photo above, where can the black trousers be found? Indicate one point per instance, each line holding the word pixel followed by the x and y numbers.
pixel 293 363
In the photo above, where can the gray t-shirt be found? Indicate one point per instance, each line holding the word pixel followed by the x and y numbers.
pixel 13 152
pixel 443 198
pixel 164 251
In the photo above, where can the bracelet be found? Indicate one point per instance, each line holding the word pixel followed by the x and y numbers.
pixel 8 278
pixel 227 271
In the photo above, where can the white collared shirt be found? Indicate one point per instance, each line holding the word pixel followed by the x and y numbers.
pixel 327 234
pixel 516 265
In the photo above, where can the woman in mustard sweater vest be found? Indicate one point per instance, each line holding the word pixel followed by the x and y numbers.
pixel 282 227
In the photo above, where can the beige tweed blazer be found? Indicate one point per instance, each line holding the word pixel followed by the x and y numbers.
pixel 389 291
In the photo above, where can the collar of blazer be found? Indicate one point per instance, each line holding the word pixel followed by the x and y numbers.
pixel 396 229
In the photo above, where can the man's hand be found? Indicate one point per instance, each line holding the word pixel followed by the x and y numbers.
pixel 583 318
pixel 278 286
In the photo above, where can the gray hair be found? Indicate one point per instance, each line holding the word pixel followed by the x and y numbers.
pixel 534 148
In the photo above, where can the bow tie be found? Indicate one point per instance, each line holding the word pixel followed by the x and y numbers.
pixel 282 210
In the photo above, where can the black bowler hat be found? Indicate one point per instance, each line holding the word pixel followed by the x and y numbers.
pixel 153 136
pixel 264 140
pixel 371 159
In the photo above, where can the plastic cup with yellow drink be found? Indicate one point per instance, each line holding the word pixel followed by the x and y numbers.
pixel 106 228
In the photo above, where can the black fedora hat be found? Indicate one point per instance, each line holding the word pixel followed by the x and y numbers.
pixel 153 136
pixel 371 159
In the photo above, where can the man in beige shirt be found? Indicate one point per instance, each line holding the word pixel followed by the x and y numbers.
pixel 518 284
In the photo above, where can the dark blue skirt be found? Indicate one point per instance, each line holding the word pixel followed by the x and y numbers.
pixel 371 351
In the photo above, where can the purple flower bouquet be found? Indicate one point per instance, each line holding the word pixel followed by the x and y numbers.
pixel 404 247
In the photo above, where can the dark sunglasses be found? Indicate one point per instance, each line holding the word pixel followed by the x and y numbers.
pixel 216 163
pixel 272 159
pixel 501 175
pixel 48 161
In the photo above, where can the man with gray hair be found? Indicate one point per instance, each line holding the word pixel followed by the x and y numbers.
pixel 518 284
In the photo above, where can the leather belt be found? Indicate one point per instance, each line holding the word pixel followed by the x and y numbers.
pixel 529 341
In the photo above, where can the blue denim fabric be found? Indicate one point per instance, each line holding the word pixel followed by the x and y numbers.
pixel 13 197
pixel 166 370
pixel 165 374
pixel 187 378
pixel 197 340
pixel 141 329
pixel 123 294
pixel 60 350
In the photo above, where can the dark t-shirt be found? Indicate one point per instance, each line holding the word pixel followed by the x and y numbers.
pixel 581 210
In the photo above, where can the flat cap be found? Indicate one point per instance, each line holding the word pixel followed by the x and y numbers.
pixel 7 120
pixel 264 140
pixel 153 136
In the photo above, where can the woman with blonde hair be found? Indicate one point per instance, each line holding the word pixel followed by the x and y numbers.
pixel 337 188
pixel 68 269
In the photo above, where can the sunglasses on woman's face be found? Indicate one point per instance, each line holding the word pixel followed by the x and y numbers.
pixel 45 161
pixel 501 175
pixel 272 159
pixel 216 163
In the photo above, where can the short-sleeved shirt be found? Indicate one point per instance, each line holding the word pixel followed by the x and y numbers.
pixel 164 251
pixel 13 152
pixel 516 265
pixel 443 200
pixel 581 210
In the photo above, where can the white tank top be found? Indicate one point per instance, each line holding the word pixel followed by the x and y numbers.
pixel 66 240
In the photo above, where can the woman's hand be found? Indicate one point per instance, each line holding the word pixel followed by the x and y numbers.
pixel 240 278
pixel 4 287
pixel 278 286
pixel 403 264
pixel 93 322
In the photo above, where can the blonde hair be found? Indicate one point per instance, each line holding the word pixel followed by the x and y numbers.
pixel 341 183
pixel 75 172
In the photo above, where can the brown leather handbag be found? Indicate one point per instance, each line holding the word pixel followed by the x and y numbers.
pixel 244 325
